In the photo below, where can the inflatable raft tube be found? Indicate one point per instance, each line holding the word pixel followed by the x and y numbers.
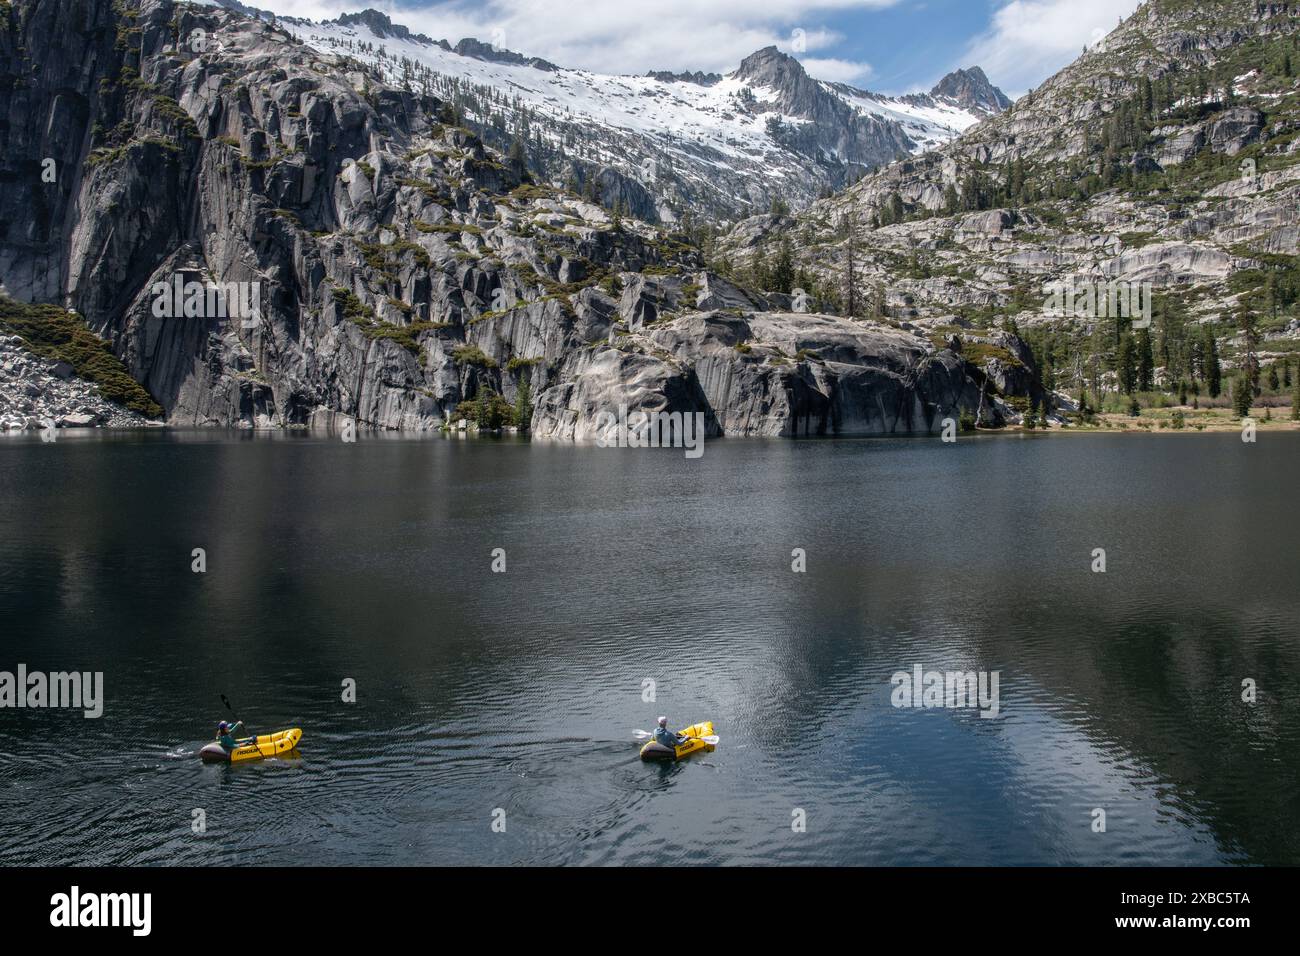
pixel 657 751
pixel 267 745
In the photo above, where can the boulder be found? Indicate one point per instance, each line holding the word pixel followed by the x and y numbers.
pixel 1235 129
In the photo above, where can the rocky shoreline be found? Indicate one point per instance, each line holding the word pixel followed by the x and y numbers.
pixel 35 392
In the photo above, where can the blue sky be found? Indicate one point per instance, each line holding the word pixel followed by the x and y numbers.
pixel 890 46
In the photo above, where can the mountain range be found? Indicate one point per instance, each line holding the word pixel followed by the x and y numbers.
pixel 435 236
pixel 1166 156
pixel 667 145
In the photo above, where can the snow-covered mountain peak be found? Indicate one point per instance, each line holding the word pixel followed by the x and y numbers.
pixel 660 143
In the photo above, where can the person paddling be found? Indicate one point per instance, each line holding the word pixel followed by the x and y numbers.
pixel 666 737
pixel 226 735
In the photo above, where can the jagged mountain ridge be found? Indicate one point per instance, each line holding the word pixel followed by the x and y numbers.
pixel 971 89
pixel 665 143
pixel 1060 122
pixel 404 268
pixel 1169 154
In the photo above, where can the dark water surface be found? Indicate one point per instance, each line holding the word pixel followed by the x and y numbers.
pixel 518 691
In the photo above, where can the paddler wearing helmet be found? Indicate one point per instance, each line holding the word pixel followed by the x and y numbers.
pixel 226 735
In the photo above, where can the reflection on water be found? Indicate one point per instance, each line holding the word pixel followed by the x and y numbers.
pixel 520 691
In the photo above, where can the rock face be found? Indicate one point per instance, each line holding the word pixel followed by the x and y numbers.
pixel 1235 129
pixel 379 24
pixel 971 89
pixel 832 127
pixel 771 374
pixel 698 77
pixel 270 236
pixel 791 374
pixel 485 51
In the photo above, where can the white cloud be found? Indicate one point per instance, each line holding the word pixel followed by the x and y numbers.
pixel 837 71
pixel 631 36
pixel 1029 40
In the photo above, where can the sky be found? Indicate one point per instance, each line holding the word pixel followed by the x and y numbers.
pixel 887 46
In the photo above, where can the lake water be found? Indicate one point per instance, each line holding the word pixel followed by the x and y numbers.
pixel 481 692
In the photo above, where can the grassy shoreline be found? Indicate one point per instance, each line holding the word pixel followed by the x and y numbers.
pixel 1162 420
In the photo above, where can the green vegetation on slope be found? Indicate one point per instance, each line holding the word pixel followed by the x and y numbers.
pixel 53 333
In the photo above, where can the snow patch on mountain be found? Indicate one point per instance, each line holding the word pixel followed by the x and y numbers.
pixel 704 131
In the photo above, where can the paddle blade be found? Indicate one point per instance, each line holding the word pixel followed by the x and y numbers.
pixel 711 740
pixel 642 734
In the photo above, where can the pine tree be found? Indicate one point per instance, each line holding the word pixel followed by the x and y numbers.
pixel 951 201
pixel 783 270
pixel 876 304
pixel 1250 329
pixel 517 162
pixel 760 272
pixel 1213 371
pixel 896 211
pixel 1242 394
pixel 523 405
pixel 1174 350
pixel 485 407
pixel 1295 402
pixel 850 266
pixel 1146 365
pixel 1126 363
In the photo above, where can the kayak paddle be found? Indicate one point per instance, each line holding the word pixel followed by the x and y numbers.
pixel 226 701
pixel 711 740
